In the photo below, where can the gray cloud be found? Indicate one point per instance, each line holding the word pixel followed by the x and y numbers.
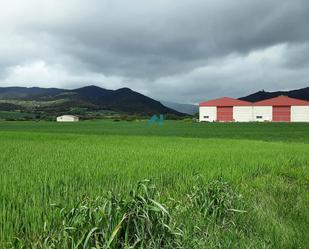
pixel 182 51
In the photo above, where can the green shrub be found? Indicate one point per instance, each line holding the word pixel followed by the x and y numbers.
pixel 136 220
pixel 216 201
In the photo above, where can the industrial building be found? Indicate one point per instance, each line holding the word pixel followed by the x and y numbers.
pixel 279 109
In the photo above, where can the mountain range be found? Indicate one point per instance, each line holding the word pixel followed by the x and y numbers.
pixel 54 101
pixel 302 93
pixel 183 108
pixel 123 100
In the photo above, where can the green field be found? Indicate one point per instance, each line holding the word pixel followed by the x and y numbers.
pixel 14 115
pixel 222 185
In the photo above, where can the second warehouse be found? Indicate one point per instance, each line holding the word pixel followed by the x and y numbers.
pixel 279 109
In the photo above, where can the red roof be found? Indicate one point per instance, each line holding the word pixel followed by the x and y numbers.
pixel 226 102
pixel 282 101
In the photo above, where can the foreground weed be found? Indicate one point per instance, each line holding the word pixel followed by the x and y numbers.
pixel 217 211
pixel 216 200
pixel 134 221
pixel 211 215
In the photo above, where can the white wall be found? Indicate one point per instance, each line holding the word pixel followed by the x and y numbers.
pixel 264 112
pixel 243 113
pixel 208 113
pixel 300 113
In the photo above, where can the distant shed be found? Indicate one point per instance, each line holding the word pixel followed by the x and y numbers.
pixel 67 118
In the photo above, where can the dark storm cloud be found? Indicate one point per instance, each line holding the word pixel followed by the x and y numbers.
pixel 173 50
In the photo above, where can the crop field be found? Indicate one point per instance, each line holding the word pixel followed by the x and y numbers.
pixel 105 184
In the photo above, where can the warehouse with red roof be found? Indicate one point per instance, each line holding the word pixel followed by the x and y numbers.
pixel 278 109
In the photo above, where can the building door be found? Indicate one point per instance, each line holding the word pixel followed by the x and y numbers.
pixel 225 113
pixel 281 113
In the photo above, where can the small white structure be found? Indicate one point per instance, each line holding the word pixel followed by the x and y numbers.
pixel 67 118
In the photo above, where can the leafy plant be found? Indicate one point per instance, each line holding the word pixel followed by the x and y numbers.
pixel 216 200
pixel 116 221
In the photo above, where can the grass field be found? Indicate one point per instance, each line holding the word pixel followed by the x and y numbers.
pixel 13 115
pixel 221 185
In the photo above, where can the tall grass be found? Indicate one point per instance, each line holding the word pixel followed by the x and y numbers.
pixel 138 220
pixel 265 175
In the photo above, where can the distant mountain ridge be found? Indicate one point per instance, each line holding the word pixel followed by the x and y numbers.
pixel 122 100
pixel 302 93
pixel 26 92
pixel 184 108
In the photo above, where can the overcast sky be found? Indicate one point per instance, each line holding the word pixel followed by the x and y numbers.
pixel 178 50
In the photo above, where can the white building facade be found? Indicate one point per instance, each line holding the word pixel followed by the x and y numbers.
pixel 208 113
pixel 243 113
pixel 262 113
pixel 300 113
